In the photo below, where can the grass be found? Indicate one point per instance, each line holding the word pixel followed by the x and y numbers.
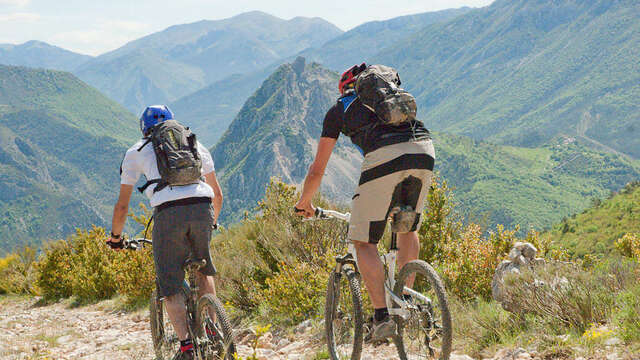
pixel 561 322
pixel 51 340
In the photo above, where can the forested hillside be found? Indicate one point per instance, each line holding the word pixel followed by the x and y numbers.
pixel 498 184
pixel 522 72
pixel 596 229
pixel 61 143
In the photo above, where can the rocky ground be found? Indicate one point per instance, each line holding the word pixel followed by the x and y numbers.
pixel 59 331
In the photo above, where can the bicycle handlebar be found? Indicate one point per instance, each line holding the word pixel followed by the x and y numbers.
pixel 332 214
pixel 136 244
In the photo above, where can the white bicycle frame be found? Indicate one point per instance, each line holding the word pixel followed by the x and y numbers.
pixel 388 259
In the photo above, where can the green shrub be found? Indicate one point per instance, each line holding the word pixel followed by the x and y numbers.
pixel 93 274
pixel 256 257
pixel 17 272
pixel 627 318
pixel 54 271
pixel 465 257
pixel 135 276
pixel 629 246
pixel 295 293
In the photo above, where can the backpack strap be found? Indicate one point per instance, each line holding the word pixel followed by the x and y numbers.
pixel 149 182
pixel 347 100
pixel 144 144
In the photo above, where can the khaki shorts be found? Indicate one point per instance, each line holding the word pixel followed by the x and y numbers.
pixel 393 175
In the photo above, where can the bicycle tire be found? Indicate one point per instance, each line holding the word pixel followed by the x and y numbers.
pixel 222 321
pixel 331 312
pixel 423 268
pixel 163 347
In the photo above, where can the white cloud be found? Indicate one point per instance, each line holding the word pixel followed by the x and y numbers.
pixel 19 3
pixel 22 17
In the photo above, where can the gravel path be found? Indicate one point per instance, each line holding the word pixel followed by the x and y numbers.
pixel 59 331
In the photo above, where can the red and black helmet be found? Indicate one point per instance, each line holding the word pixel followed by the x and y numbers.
pixel 349 76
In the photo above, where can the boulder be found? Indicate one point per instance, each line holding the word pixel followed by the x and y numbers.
pixel 521 256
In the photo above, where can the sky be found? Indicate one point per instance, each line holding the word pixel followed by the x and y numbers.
pixel 95 27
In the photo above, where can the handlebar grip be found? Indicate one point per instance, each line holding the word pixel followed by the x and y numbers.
pixel 297 211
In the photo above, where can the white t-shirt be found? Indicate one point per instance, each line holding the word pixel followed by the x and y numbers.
pixel 143 162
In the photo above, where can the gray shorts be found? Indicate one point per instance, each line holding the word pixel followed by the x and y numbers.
pixel 180 232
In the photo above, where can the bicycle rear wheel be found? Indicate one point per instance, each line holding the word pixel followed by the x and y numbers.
pixel 343 316
pixel 165 340
pixel 426 333
pixel 214 330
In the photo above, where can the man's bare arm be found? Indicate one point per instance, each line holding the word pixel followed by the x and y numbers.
pixel 212 180
pixel 314 176
pixel 121 209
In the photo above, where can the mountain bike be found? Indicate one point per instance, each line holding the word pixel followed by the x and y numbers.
pixel 420 312
pixel 208 324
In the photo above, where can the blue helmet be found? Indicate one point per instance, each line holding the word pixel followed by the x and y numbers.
pixel 153 115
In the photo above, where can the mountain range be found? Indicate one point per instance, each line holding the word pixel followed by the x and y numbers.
pixel 521 72
pixel 211 109
pixel 532 103
pixel 39 54
pixel 275 134
pixel 61 143
pixel 167 65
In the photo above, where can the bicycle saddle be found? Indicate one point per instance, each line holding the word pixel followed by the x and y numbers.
pixel 403 219
pixel 195 263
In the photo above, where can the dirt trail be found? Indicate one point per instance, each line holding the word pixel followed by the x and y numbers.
pixel 58 331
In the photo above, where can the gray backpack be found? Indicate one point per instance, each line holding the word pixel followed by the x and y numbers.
pixel 378 88
pixel 177 156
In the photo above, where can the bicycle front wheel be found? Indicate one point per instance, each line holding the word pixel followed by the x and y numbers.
pixel 343 316
pixel 215 331
pixel 425 332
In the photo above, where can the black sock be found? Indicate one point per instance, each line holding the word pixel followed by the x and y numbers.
pixel 186 345
pixel 381 314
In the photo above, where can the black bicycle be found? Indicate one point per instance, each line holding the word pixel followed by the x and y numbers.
pixel 208 324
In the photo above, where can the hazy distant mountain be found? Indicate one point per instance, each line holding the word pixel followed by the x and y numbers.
pixel 167 65
pixel 521 72
pixel 61 143
pixel 209 111
pixel 41 55
pixel 362 42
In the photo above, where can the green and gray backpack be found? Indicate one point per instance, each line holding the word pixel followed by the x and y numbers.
pixel 378 88
pixel 177 157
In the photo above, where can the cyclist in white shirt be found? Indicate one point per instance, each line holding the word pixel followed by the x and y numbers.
pixel 184 218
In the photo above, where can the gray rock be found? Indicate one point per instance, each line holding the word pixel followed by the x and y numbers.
pixel 522 255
